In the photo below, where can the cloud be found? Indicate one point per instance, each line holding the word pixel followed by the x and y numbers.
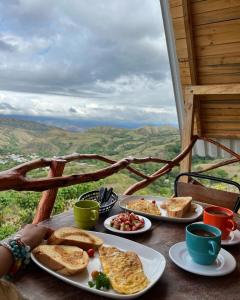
pixel 6 47
pixel 72 110
pixel 97 54
pixel 4 106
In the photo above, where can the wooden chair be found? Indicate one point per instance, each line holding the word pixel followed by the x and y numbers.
pixel 205 194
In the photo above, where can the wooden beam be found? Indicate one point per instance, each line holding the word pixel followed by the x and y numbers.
pixel 47 201
pixel 224 89
pixel 187 133
pixel 189 40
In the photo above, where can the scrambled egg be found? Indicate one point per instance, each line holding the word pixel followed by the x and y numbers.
pixel 145 206
pixel 124 270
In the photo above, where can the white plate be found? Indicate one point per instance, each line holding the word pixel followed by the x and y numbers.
pixel 224 264
pixel 153 265
pixel 146 226
pixel 189 217
pixel 233 239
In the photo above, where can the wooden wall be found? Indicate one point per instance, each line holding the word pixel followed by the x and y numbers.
pixel 207 34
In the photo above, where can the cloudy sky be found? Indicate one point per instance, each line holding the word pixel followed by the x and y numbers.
pixel 89 59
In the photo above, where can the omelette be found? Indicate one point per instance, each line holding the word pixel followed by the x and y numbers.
pixel 149 207
pixel 124 270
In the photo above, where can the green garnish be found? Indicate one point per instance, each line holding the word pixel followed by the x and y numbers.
pixel 91 284
pixel 100 282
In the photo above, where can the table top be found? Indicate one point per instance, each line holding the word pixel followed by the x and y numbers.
pixel 175 283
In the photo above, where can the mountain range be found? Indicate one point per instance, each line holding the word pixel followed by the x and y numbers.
pixel 27 137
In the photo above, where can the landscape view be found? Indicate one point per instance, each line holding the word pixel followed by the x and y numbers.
pixel 21 141
pixel 75 77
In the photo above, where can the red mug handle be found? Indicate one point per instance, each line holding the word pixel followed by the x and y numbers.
pixel 233 225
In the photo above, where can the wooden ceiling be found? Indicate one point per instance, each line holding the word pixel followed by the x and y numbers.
pixel 207 35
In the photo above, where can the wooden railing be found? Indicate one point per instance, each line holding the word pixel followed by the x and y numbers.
pixel 16 178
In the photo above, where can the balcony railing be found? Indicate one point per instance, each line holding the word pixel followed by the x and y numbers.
pixel 16 178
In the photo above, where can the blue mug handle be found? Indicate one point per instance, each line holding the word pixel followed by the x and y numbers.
pixel 215 249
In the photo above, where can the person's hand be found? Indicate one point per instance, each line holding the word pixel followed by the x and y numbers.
pixel 32 235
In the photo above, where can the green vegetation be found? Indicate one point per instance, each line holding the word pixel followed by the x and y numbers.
pixel 31 140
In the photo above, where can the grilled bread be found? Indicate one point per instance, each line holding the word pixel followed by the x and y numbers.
pixel 148 207
pixel 178 206
pixel 74 237
pixel 66 260
pixel 124 270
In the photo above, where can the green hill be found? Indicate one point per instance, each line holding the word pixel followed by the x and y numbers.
pixel 23 137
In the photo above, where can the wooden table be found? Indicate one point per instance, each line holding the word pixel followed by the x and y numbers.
pixel 175 283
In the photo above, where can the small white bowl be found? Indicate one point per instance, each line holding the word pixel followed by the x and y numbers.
pixel 146 227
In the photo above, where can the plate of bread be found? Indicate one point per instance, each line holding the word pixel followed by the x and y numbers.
pixel 131 268
pixel 177 209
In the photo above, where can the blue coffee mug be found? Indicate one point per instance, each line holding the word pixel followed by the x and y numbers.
pixel 203 249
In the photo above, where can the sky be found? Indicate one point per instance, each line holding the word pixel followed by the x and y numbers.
pixel 85 59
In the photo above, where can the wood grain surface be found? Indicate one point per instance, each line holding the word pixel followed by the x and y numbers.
pixel 177 284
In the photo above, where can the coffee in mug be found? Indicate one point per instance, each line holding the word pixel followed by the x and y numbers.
pixel 203 243
pixel 220 217
pixel 202 232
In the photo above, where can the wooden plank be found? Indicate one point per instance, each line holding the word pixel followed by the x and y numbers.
pixel 218 118
pixel 217 28
pixel 228 59
pixel 186 80
pixel 217 49
pixel 221 105
pixel 197 118
pixel 210 5
pixel 219 69
pixel 218 38
pixel 176 12
pixel 227 89
pixel 214 98
pixel 185 72
pixel 221 125
pixel 182 53
pixel 218 79
pixel 207 195
pixel 181 44
pixel 179 28
pixel 183 64
pixel 215 112
pixel 173 3
pixel 220 15
pixel 220 134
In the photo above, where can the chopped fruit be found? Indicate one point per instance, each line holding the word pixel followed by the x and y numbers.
pixel 90 252
pixel 127 222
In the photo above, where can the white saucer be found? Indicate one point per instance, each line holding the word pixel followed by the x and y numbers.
pixel 224 264
pixel 233 239
pixel 146 226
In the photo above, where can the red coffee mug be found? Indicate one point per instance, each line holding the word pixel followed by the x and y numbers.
pixel 220 217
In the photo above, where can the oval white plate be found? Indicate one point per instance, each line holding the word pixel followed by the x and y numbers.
pixel 224 264
pixel 146 227
pixel 233 239
pixel 153 265
pixel 189 217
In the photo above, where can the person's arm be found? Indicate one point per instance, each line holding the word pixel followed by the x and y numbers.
pixel 32 236
pixel 6 259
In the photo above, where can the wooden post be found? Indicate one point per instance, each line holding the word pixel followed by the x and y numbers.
pixel 185 164
pixel 47 201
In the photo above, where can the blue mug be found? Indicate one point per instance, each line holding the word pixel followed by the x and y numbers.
pixel 203 243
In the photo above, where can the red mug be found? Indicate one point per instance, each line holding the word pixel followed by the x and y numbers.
pixel 221 218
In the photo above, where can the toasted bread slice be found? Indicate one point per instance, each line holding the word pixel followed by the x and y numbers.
pixel 74 237
pixel 66 260
pixel 178 206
